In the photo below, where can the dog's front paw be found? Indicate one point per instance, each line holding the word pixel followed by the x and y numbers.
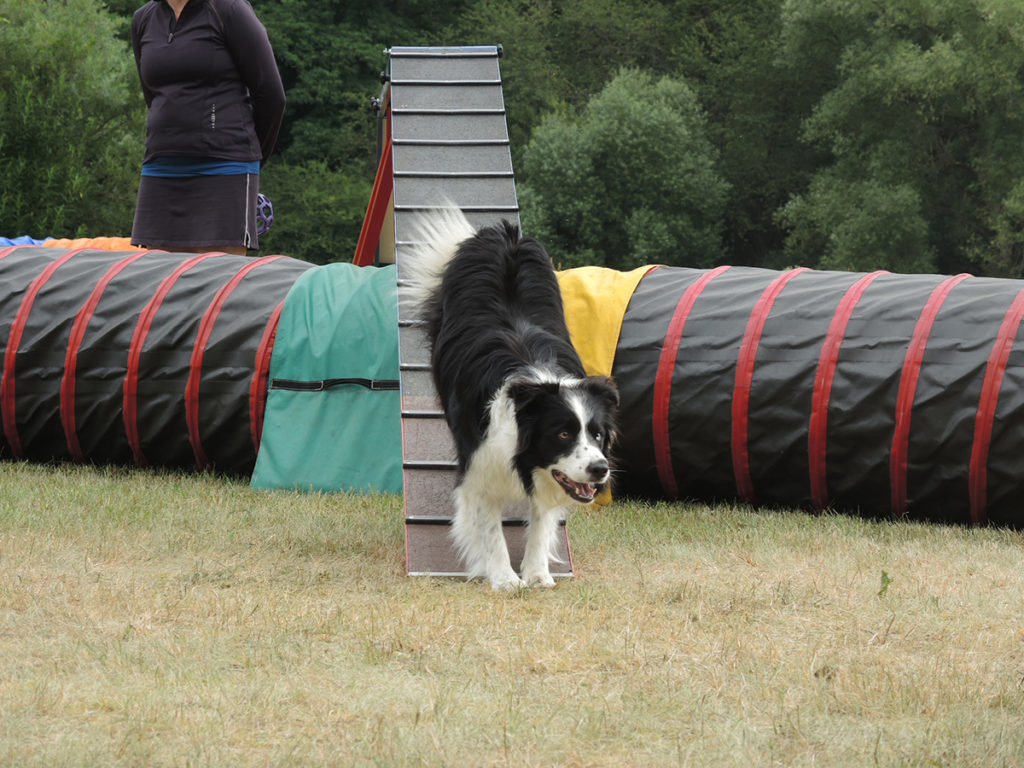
pixel 503 578
pixel 507 583
pixel 538 579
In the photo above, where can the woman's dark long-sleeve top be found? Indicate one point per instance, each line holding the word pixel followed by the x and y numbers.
pixel 209 79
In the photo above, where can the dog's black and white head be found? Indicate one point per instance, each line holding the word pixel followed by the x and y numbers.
pixel 564 430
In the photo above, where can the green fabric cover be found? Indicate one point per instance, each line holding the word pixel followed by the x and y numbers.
pixel 338 321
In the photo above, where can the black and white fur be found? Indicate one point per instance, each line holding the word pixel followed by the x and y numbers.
pixel 527 421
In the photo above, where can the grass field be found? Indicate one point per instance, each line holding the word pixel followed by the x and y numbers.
pixel 151 619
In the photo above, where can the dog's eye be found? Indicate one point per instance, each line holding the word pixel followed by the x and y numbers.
pixel 563 435
pixel 597 436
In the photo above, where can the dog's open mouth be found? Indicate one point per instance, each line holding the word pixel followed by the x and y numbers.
pixel 581 492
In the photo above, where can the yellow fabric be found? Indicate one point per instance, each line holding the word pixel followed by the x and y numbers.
pixel 94 243
pixel 595 300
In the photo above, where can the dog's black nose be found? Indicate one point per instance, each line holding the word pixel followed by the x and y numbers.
pixel 598 469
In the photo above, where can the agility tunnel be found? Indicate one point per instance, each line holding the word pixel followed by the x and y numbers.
pixel 875 393
pixel 879 394
pixel 197 361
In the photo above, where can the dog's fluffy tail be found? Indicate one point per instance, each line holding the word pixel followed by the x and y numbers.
pixel 436 235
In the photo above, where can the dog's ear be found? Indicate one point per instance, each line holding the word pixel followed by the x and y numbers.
pixel 604 392
pixel 603 389
pixel 526 393
pixel 525 396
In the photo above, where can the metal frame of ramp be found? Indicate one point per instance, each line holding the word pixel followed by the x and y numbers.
pixel 445 139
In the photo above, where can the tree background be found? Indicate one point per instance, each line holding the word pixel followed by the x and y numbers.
pixel 772 133
pixel 68 125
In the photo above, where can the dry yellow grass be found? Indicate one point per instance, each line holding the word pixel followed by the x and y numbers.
pixel 151 619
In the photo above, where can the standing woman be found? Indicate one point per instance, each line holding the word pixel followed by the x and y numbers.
pixel 215 103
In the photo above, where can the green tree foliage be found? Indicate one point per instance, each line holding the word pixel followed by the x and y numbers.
pixel 837 134
pixel 70 121
pixel 921 111
pixel 330 54
pixel 858 225
pixel 317 212
pixel 728 54
pixel 562 53
pixel 632 179
pixel 559 54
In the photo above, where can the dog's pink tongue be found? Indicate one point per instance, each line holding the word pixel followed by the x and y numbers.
pixel 583 490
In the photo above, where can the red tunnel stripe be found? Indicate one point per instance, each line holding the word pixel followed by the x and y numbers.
pixel 258 385
pixel 131 379
pixel 744 379
pixel 7 383
pixel 195 370
pixel 78 328
pixel 908 389
pixel 10 249
pixel 994 370
pixel 817 432
pixel 663 380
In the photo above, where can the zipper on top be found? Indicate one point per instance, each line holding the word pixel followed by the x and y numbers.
pixel 174 23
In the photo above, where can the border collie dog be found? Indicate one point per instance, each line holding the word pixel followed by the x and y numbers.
pixel 527 421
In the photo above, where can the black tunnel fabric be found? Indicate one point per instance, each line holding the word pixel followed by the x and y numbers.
pixel 145 358
pixel 875 393
pixel 879 394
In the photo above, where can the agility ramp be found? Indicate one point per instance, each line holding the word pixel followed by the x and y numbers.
pixel 445 139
